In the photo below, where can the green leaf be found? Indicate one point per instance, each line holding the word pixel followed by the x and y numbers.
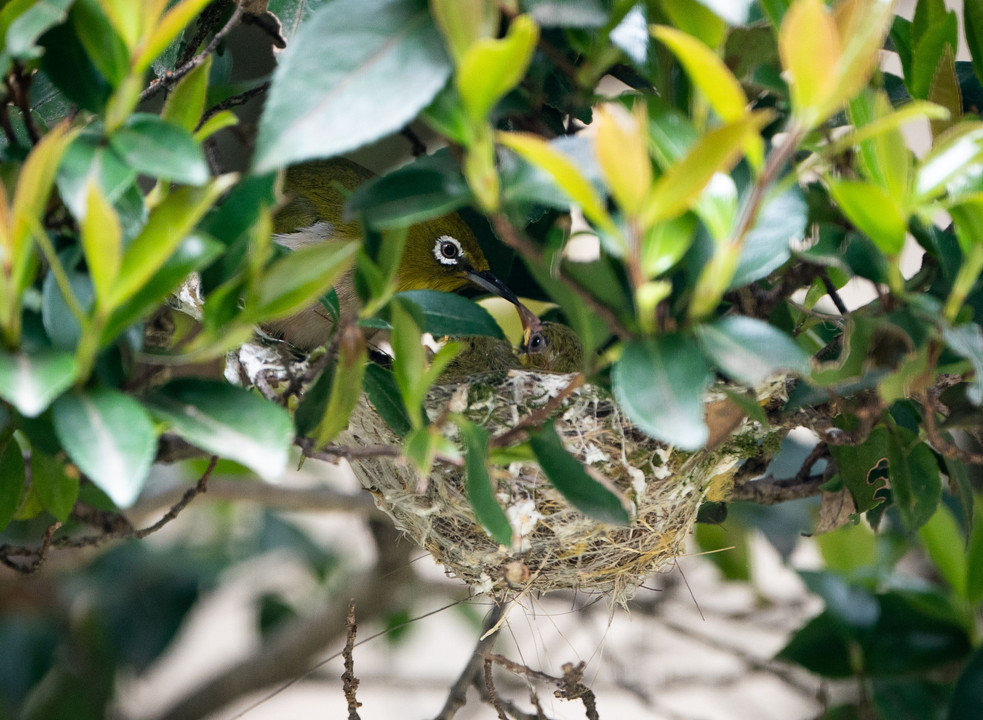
pixel 967 698
pixel 157 148
pixel 915 483
pixel 569 477
pixel 69 68
pixel 169 224
pixel 103 45
pixel 665 243
pixel 822 646
pixel 409 361
pixel 478 485
pixel 110 437
pixel 660 383
pixel 186 100
pixel 946 162
pixel 102 242
pixel 298 279
pixel 932 29
pixel 11 480
pixel 766 246
pixel 450 314
pixel 31 382
pixel 491 67
pixel 848 549
pixel 380 385
pixel 967 341
pixel 974 558
pixel 346 386
pixel 169 27
pixel 750 350
pixel 859 468
pixel 873 212
pixel 425 190
pixel 20 33
pixel 973 19
pixel 227 421
pixel 55 487
pixel 89 160
pixel 356 71
pixel 943 540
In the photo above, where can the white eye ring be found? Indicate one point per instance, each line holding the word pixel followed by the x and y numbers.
pixel 438 250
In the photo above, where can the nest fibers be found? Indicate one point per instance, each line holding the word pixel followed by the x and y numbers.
pixel 554 546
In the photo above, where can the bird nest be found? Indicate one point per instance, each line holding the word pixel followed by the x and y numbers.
pixel 555 546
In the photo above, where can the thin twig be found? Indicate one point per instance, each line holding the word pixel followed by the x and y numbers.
pixel 348 680
pixel 514 239
pixel 457 697
pixel 234 101
pixel 770 490
pixel 833 294
pixel 178 73
pixel 492 694
pixel 539 416
pixel 940 443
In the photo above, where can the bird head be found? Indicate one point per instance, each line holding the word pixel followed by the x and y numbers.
pixel 549 346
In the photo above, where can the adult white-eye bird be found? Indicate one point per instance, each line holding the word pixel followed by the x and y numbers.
pixel 441 254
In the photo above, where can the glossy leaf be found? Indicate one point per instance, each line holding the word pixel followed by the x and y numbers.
pixel 227 421
pixel 380 386
pixel 31 382
pixel 622 150
pixel 565 174
pixel 409 361
pixel 665 244
pixel 749 350
pixel 861 466
pixel 168 225
pixel 782 221
pixel 157 148
pixel 102 242
pixel 707 71
pixel 11 480
pixel 161 33
pixel 356 71
pixel 973 19
pixel 873 212
pixel 491 67
pixel 947 161
pixel 660 383
pixel 450 314
pixel 569 477
pixel 478 484
pixel 56 488
pixel 809 45
pixel 464 22
pixel 915 483
pixel 186 100
pixel 967 341
pixel 298 279
pixel 20 33
pixel 110 437
pixel 943 540
pixel 88 160
pixel 933 28
pixel 346 386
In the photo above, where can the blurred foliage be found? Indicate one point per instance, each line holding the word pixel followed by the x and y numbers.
pixel 748 164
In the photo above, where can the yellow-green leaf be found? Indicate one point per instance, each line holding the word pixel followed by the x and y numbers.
pixel 540 153
pixel 622 150
pixel 706 70
pixel 861 26
pixel 186 101
pixel 491 67
pixel 683 182
pixel 218 121
pixel 873 212
pixel 102 242
pixel 168 225
pixel 809 47
pixel 346 386
pixel 464 22
pixel 164 31
pixel 34 182
pixel 695 18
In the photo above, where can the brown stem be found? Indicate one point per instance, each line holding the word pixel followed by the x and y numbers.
pixel 349 681
pixel 457 697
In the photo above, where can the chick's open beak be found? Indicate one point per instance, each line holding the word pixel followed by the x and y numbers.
pixel 485 279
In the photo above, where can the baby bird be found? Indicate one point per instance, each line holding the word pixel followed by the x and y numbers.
pixel 550 347
pixel 441 254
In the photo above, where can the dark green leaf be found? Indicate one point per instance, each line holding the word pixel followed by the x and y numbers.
pixel 293 14
pixel 857 465
pixel 967 342
pixel 157 148
pixel 660 383
pixel 31 382
pixel 450 314
pixel 766 247
pixel 103 45
pixel 68 66
pixel 932 28
pixel 429 188
pixel 228 421
pixel 380 385
pixel 569 477
pixel 357 70
pixel 311 408
pixel 973 18
pixel 750 350
pixel 11 480
pixel 478 484
pixel 562 13
pixel 55 488
pixel 110 437
pixel 27 27
pixel 822 646
pixel 967 699
pixel 915 483
pixel 88 158
pixel 849 605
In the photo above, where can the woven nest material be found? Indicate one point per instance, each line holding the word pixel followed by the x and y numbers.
pixel 555 546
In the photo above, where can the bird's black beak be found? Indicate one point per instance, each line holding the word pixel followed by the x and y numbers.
pixel 486 280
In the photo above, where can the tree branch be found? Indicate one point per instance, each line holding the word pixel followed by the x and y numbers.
pixel 458 695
